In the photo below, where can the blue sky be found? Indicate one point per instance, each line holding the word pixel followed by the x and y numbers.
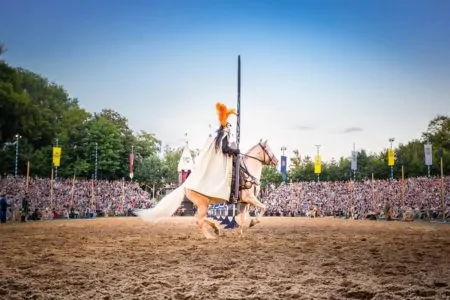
pixel 311 70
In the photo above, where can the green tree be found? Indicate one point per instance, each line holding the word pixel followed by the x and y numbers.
pixel 146 144
pixel 438 134
pixel 104 136
pixel 411 156
pixel 150 172
pixel 332 170
pixel 296 160
pixel 127 138
pixel 438 131
pixel 270 175
pixel 43 114
pixel 170 161
pixel 344 169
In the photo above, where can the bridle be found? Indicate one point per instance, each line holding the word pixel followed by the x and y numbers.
pixel 268 159
pixel 270 156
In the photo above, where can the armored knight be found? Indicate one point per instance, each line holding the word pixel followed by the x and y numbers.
pixel 222 138
pixel 213 171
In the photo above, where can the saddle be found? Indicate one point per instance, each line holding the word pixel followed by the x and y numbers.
pixel 242 181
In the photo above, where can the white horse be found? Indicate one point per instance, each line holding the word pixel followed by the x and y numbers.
pixel 251 166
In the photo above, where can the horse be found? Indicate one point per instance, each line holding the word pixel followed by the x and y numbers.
pixel 250 166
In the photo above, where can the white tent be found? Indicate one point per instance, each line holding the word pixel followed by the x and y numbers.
pixel 186 162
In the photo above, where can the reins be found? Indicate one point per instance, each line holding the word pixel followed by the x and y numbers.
pixel 254 180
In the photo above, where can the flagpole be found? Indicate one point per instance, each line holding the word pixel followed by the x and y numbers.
pixel 73 191
pixel 354 161
pixel 351 189
pixel 17 156
pixel 132 163
pixel 403 187
pixel 28 177
pixel 373 193
pixel 428 150
pixel 92 193
pixel 442 188
pixel 51 190
pixel 123 195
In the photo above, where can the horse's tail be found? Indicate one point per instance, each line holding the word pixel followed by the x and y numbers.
pixel 165 208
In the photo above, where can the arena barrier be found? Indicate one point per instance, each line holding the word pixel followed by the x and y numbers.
pixel 223 214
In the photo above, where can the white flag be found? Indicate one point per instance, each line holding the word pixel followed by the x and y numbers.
pixel 428 154
pixel 354 160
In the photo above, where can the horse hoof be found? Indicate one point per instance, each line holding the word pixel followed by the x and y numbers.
pixel 252 223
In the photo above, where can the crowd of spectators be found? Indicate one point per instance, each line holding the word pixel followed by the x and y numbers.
pixel 85 198
pixel 421 195
pixel 77 198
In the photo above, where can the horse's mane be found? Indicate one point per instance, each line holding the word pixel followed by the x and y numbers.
pixel 251 149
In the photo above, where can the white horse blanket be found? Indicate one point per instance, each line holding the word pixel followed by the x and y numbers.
pixel 212 172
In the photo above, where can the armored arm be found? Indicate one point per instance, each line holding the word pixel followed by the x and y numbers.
pixel 226 149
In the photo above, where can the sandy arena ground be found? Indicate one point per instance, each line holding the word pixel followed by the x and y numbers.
pixel 281 258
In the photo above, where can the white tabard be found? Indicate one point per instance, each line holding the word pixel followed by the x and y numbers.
pixel 212 172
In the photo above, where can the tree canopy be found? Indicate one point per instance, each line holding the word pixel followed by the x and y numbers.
pixel 43 114
pixel 410 155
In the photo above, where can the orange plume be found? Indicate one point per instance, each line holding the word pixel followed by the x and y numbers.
pixel 223 113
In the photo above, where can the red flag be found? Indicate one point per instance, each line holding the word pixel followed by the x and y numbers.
pixel 131 162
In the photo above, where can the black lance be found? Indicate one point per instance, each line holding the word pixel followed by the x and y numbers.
pixel 238 131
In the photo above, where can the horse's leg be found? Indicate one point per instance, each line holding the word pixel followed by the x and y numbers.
pixel 202 209
pixel 213 225
pixel 247 197
pixel 252 200
pixel 245 214
pixel 201 220
pixel 241 216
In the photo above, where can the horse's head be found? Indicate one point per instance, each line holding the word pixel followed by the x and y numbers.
pixel 264 154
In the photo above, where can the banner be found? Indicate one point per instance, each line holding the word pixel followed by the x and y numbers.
pixel 317 165
pixel 283 167
pixel 185 175
pixel 354 160
pixel 131 165
pixel 428 154
pixel 56 156
pixel 391 157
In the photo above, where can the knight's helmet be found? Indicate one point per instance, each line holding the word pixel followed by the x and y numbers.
pixel 223 114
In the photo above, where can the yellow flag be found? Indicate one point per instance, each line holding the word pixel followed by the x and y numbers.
pixel 56 156
pixel 391 157
pixel 318 165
